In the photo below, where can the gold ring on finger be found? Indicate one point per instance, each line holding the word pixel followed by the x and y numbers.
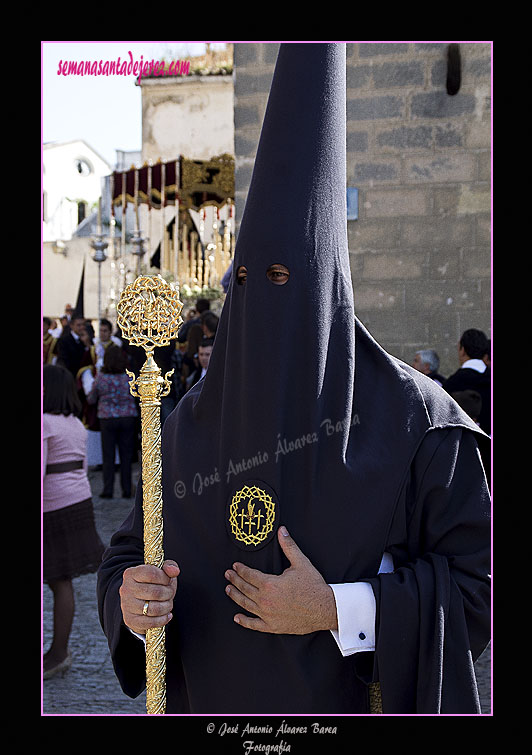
pixel 145 608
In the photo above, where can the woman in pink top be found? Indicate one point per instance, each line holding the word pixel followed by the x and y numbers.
pixel 71 545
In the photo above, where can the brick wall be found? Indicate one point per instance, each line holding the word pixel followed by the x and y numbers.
pixel 420 158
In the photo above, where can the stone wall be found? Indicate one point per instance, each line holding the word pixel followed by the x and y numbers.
pixel 421 160
pixel 189 115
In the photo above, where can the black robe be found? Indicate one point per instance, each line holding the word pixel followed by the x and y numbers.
pixel 304 420
pixel 433 612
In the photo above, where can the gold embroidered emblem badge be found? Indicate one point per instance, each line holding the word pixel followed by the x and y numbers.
pixel 252 515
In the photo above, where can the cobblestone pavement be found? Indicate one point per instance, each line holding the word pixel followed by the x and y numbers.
pixel 90 686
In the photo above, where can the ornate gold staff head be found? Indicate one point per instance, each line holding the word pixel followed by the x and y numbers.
pixel 149 315
pixel 149 312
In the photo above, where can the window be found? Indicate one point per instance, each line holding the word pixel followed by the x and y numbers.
pixel 83 166
pixel 82 211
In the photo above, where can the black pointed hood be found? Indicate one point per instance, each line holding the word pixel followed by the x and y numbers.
pixel 302 420
pixel 291 346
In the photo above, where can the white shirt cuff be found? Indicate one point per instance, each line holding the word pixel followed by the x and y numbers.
pixel 355 609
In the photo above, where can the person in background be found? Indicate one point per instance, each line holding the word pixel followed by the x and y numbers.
pixel 70 347
pixel 203 357
pixel 487 356
pixel 178 376
pixel 49 342
pixel 103 340
pixel 84 380
pixel 193 318
pixel 209 324
pixel 90 330
pixel 56 328
pixel 473 373
pixel 71 544
pixel 227 278
pixel 191 331
pixel 470 401
pixel 428 362
pixel 64 326
pixel 117 413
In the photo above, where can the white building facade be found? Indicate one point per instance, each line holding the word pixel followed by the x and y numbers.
pixel 71 186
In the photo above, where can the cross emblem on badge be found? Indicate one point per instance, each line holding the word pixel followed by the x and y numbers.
pixel 251 515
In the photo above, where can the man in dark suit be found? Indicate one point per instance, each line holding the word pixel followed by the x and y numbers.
pixel 204 355
pixel 70 347
pixel 473 373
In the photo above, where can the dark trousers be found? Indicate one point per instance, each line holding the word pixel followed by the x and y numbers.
pixel 117 432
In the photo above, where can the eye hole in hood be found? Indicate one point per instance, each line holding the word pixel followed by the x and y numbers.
pixel 278 274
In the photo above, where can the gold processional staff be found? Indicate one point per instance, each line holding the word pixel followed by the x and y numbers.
pixel 149 315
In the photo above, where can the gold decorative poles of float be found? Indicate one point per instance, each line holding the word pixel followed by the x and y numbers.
pixel 149 315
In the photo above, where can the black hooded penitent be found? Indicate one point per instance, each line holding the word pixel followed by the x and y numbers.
pixel 303 420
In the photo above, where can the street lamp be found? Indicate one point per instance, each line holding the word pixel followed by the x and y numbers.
pixel 99 256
